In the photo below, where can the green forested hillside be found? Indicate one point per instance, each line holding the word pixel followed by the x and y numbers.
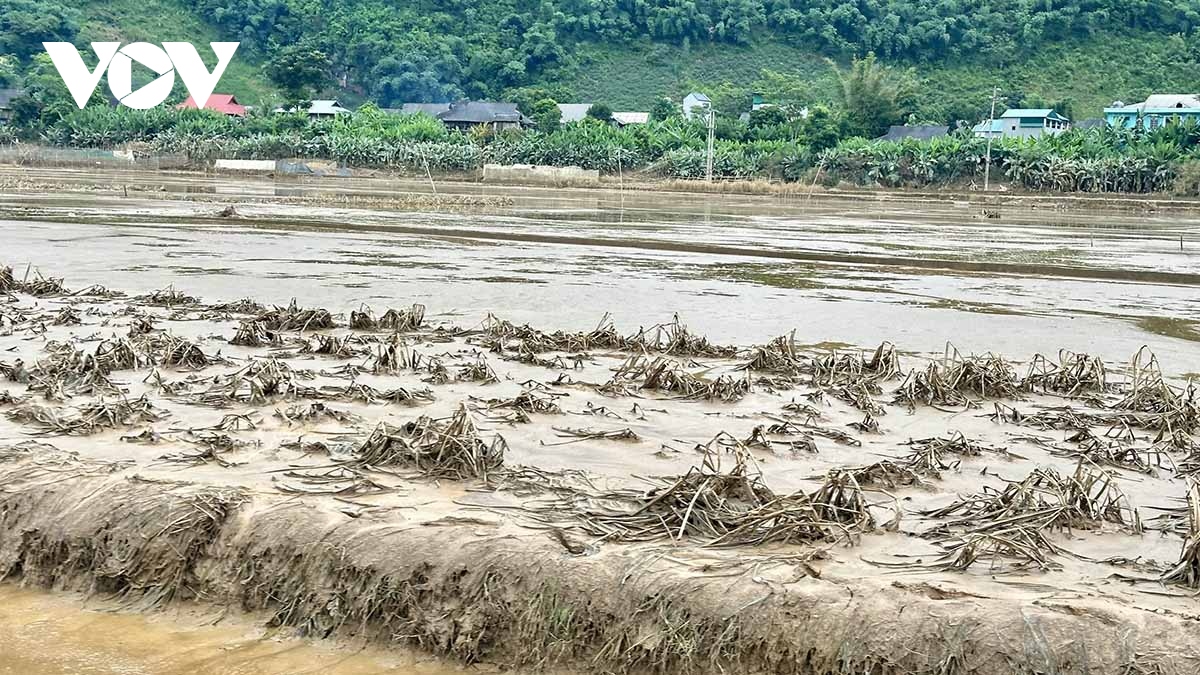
pixel 628 53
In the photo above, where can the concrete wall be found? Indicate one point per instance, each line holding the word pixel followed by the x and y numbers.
pixel 530 173
pixel 246 164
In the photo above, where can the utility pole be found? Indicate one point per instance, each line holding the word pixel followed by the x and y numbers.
pixel 711 119
pixel 987 166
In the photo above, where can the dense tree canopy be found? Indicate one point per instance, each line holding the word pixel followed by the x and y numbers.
pixel 440 49
pixel 26 24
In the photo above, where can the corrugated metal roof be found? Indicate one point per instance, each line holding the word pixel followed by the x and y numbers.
pixel 631 117
pixel 222 103
pixel 434 109
pixel 326 107
pixel 1027 112
pixel 481 112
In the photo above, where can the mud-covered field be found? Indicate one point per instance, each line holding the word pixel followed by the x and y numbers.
pixel 626 498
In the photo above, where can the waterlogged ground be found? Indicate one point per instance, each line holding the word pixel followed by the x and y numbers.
pixel 739 270
pixel 64 634
pixel 1104 283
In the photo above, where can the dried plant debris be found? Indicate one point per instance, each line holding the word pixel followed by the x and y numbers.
pixel 259 381
pixel 314 413
pixel 88 418
pixel 720 507
pixel 41 287
pixel 780 356
pixel 1075 374
pixel 929 387
pixel 403 320
pixel 254 333
pixel 243 306
pixel 184 354
pixel 168 297
pixel 528 401
pixel 837 368
pixel 502 334
pixel 1107 450
pixel 955 444
pixel 438 447
pixel 589 434
pixel 67 316
pixel 675 339
pixel 367 394
pixel 1186 571
pixel 330 345
pixel 294 318
pixel 342 481
pixel 664 375
pixel 1153 403
pixel 861 395
pixel 477 370
pixel 1046 500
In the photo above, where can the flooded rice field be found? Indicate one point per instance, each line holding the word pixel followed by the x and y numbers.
pixel 1069 280
pixel 684 434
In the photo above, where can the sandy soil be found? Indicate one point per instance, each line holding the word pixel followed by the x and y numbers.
pixel 70 634
pixel 495 492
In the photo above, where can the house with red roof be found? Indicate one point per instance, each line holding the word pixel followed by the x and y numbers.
pixel 225 104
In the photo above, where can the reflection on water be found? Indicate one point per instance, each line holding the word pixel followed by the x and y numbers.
pixel 51 634
pixel 341 258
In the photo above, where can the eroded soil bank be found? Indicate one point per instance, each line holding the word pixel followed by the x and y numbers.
pixel 606 500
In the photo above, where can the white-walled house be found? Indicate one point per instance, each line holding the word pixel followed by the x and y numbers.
pixel 1023 123
pixel 695 103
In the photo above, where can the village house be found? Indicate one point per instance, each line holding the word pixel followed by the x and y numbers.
pixel 1154 112
pixel 320 109
pixel 463 115
pixel 573 112
pixel 627 118
pixel 226 104
pixel 325 109
pixel 1023 123
pixel 695 103
pixel 6 98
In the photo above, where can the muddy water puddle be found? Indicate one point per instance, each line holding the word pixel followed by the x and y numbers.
pixel 55 634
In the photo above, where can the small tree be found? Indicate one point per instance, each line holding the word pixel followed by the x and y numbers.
pixel 547 118
pixel 663 109
pixel 770 116
pixel 299 70
pixel 600 111
pixel 821 129
pixel 875 96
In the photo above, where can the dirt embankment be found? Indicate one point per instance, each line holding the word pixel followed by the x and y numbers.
pixel 365 187
pixel 522 600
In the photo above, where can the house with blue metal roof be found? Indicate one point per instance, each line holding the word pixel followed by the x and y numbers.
pixel 1023 123
pixel 1154 112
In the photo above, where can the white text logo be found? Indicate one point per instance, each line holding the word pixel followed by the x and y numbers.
pixel 171 58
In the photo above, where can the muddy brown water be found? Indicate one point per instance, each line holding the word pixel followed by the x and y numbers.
pixel 549 260
pixel 49 633
pixel 916 274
